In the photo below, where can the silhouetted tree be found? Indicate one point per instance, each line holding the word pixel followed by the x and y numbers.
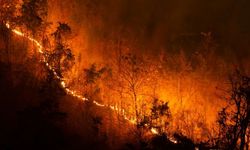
pixel 92 75
pixel 62 33
pixel 160 115
pixel 234 119
pixel 133 76
pixel 61 57
pixel 34 15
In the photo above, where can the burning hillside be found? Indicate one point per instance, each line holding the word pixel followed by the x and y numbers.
pixel 181 87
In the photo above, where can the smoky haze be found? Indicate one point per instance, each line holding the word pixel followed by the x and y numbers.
pixel 162 24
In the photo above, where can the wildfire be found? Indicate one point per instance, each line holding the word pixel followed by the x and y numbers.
pixel 74 93
pixel 154 131
pixel 63 84
pixel 8 25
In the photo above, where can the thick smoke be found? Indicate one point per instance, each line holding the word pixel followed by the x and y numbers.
pixel 167 24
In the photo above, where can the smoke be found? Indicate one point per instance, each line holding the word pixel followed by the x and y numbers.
pixel 157 24
pixel 150 27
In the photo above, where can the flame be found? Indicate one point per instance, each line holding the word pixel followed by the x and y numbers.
pixel 172 140
pixel 63 84
pixel 8 25
pixel 154 131
pixel 18 32
pixel 98 104
pixel 74 93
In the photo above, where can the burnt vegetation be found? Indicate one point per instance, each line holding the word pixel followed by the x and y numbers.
pixel 125 108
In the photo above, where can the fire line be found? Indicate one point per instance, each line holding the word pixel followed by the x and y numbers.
pixel 63 84
pixel 72 92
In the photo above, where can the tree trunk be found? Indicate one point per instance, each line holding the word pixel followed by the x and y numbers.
pixel 136 108
pixel 243 131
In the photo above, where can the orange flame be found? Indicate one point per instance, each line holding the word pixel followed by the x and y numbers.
pixel 63 84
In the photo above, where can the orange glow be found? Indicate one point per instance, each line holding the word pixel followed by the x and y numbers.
pixel 154 131
pixel 181 92
pixel 63 84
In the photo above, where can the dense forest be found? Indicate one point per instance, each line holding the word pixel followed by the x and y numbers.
pixel 91 74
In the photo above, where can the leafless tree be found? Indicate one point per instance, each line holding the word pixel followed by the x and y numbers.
pixel 234 119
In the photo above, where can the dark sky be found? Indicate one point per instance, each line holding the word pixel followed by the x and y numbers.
pixel 160 23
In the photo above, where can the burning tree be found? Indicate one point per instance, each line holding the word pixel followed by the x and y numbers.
pixel 8 11
pixel 61 57
pixel 133 77
pixel 92 76
pixel 34 15
pixel 234 119
pixel 159 118
pixel 160 115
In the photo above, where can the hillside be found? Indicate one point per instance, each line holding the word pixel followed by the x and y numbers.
pixel 36 113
